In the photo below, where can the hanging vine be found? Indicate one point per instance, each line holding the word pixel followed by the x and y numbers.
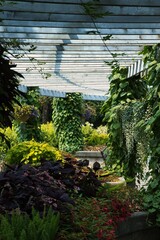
pixel 126 94
pixel 151 56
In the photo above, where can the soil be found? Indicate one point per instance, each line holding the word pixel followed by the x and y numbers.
pixel 110 178
pixel 94 148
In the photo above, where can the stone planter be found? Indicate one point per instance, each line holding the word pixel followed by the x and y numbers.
pixel 136 228
pixel 119 182
pixel 92 156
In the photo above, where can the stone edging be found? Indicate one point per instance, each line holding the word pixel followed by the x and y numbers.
pixel 136 227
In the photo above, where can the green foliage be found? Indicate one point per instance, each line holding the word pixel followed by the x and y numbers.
pixel 48 134
pixel 10 140
pixel 25 112
pixel 27 130
pixel 24 48
pixel 18 226
pixel 136 139
pixel 107 37
pixel 151 125
pixel 134 114
pixel 124 94
pixel 94 10
pixel 9 82
pixel 27 117
pixel 3 145
pixel 67 114
pixel 97 218
pixel 97 139
pixel 92 112
pixel 1 3
pixel 33 96
pixel 87 129
pixel 94 136
pixel 152 199
pixel 32 152
pixel 11 135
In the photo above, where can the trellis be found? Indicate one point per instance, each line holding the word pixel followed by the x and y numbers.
pixel 72 46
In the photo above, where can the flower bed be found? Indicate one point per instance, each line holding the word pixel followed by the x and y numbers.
pixel 98 217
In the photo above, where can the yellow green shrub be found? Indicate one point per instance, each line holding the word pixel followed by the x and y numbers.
pixel 48 134
pixel 11 135
pixel 32 152
pixel 94 136
pixel 9 139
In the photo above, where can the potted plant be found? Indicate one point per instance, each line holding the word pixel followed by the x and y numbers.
pixel 110 178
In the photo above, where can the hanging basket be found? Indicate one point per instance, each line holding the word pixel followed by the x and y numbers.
pixel 24 113
pixel 23 118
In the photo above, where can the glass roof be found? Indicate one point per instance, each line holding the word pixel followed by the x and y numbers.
pixel 71 43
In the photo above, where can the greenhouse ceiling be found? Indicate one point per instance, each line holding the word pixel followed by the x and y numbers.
pixel 74 45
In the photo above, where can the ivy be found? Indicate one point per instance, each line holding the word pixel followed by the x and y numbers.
pixel 67 114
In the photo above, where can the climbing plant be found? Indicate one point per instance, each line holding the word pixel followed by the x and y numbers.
pixel 67 113
pixel 120 111
pixel 151 56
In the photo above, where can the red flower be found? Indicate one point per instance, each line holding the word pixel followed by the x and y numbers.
pixel 100 234
pixel 105 209
pixel 109 222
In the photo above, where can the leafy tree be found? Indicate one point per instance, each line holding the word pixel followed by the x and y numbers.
pixel 9 82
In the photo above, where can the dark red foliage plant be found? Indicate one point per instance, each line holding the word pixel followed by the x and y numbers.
pixel 50 184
